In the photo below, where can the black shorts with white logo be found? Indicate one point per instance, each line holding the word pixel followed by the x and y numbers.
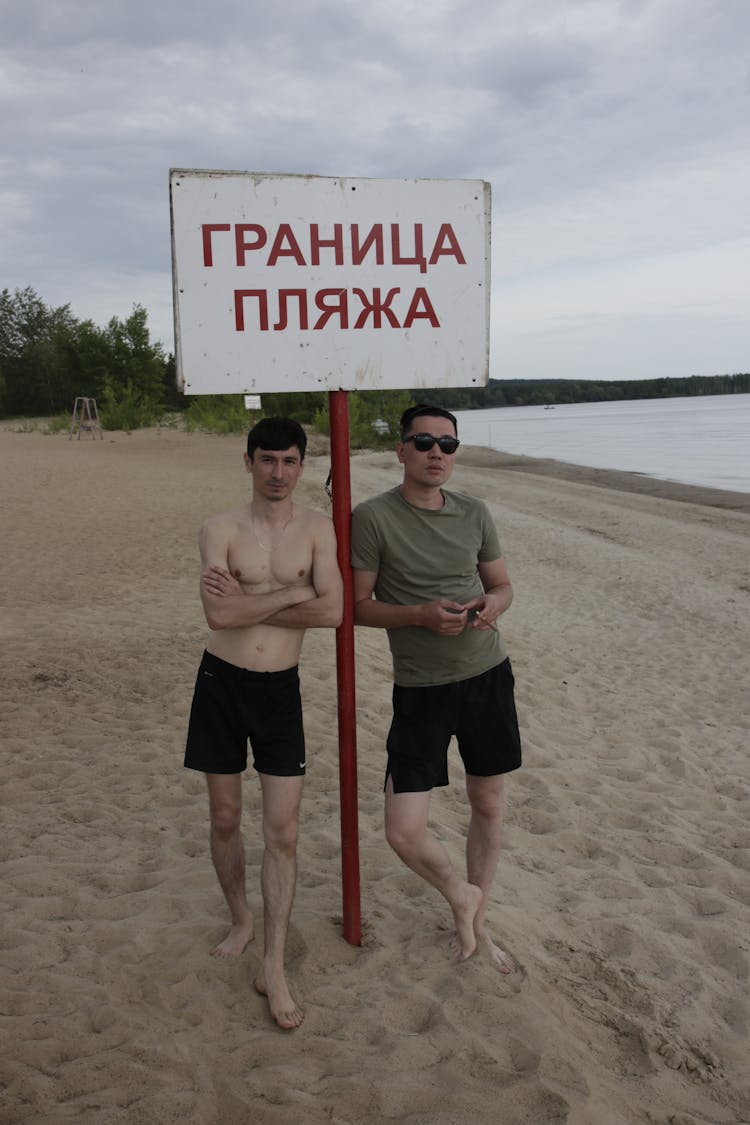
pixel 231 705
pixel 480 712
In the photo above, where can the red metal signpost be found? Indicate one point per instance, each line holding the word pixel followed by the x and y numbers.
pixel 340 478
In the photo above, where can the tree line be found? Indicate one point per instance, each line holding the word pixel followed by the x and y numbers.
pixel 551 392
pixel 48 358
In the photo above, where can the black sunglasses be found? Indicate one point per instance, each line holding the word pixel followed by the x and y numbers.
pixel 425 442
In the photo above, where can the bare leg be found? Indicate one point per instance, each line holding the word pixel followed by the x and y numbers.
pixel 407 833
pixel 281 801
pixel 228 855
pixel 483 843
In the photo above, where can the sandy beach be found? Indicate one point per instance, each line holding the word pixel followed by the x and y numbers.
pixel 624 886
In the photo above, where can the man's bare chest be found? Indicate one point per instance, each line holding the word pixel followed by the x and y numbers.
pixel 286 560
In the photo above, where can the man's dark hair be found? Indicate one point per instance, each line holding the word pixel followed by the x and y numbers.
pixel 423 410
pixel 276 433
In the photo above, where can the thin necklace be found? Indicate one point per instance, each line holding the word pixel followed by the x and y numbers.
pixel 260 542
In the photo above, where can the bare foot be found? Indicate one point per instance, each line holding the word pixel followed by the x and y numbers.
pixel 236 941
pixel 464 913
pixel 502 960
pixel 282 1007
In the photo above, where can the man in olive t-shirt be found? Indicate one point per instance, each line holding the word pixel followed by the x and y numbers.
pixel 428 568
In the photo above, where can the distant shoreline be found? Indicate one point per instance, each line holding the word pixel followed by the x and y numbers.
pixel 480 457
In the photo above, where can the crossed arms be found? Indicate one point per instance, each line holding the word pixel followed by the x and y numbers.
pixel 319 603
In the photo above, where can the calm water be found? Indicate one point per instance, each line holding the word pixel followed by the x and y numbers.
pixel 703 440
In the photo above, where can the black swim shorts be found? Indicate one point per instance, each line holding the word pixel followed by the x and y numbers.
pixel 231 705
pixel 480 712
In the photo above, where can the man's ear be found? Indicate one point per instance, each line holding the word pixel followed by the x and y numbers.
pixel 248 462
pixel 400 451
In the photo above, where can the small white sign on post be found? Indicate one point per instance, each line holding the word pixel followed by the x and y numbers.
pixel 309 283
pixel 252 402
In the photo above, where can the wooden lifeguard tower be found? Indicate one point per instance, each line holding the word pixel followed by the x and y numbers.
pixel 85 418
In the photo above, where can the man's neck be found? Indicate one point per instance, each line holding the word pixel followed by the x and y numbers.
pixel 271 511
pixel 430 497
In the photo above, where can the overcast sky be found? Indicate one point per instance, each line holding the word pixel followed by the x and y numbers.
pixel 615 135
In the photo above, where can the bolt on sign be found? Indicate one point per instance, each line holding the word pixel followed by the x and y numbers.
pixel 310 283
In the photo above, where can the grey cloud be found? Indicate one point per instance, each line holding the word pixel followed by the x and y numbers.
pixel 605 127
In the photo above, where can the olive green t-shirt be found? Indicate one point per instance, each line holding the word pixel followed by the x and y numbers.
pixel 419 555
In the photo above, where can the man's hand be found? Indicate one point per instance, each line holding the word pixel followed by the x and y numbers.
pixel 444 617
pixel 220 582
pixel 483 612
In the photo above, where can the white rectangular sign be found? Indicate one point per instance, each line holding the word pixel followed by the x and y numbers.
pixel 308 283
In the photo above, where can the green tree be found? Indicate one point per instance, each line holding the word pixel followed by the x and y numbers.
pixel 33 341
pixel 48 358
pixel 129 358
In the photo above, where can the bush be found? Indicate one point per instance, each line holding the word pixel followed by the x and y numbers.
pixel 217 414
pixel 126 408
pixel 373 418
pixel 57 425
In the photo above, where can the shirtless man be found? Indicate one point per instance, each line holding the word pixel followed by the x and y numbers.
pixel 268 572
